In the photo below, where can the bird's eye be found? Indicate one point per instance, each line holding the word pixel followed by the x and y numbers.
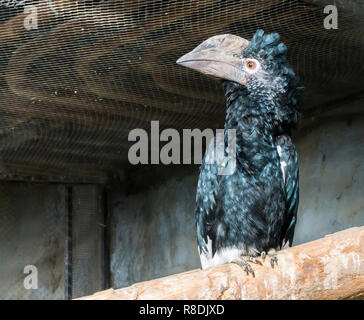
pixel 251 65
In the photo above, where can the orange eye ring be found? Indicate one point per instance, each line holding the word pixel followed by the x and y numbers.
pixel 250 65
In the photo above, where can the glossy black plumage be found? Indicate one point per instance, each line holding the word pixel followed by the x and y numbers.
pixel 254 209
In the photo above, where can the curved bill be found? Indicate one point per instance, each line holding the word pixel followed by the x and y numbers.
pixel 218 56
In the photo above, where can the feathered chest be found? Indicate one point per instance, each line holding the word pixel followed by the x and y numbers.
pixel 256 144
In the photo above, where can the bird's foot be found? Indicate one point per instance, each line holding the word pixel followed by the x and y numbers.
pixel 272 253
pixel 243 263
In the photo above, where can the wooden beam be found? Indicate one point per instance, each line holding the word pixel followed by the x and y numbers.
pixel 329 268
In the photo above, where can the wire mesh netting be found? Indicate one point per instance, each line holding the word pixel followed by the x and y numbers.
pixel 72 88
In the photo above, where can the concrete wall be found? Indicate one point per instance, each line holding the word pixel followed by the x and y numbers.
pixel 38 227
pixel 33 231
pixel 331 178
pixel 153 231
pixel 88 269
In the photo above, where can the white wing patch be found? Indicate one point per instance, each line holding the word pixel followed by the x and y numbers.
pixel 283 163
pixel 222 256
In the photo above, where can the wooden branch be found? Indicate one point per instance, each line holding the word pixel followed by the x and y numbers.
pixel 328 268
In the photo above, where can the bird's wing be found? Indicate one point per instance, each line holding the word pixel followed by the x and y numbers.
pixel 206 198
pixel 289 166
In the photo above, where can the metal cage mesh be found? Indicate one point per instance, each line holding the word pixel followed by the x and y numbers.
pixel 71 89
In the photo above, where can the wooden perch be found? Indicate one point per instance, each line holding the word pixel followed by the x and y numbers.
pixel 328 268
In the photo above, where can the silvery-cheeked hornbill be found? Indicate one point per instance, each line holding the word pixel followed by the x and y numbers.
pixel 252 211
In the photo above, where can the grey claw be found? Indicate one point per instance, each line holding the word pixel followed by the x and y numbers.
pixel 251 270
pixel 272 260
pixel 258 262
pixel 263 255
pixel 254 260
pixel 246 267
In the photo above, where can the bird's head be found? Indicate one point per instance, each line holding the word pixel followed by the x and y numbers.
pixel 259 65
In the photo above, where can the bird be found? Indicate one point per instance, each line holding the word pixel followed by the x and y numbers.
pixel 250 213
